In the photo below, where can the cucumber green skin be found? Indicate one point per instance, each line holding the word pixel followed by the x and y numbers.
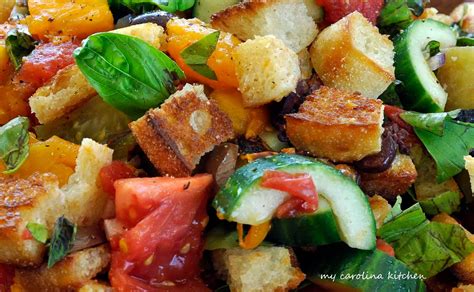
pixel 238 185
pixel 415 96
pixel 342 260
pixel 307 230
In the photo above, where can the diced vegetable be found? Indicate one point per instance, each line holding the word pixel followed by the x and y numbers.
pixel 19 44
pixel 114 65
pixel 182 33
pixel 245 201
pixel 397 15
pixel 204 9
pixel 79 18
pixel 421 90
pixel 337 9
pixel 5 9
pixel 362 270
pixel 14 148
pixel 169 6
pixel 425 247
pixel 456 77
pixel 113 172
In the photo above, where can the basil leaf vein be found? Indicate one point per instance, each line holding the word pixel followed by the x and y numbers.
pixel 197 55
pixel 14 139
pixel 127 72
pixel 38 231
pixel 64 234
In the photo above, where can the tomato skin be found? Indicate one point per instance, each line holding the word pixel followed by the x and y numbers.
pixel 45 61
pixel 337 9
pixel 393 113
pixel 7 273
pixel 385 247
pixel 162 249
pixel 304 197
pixel 113 172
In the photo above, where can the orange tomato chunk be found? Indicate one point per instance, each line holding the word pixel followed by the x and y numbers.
pixel 184 32
pixel 79 18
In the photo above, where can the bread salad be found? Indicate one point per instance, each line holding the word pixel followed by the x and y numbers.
pixel 226 145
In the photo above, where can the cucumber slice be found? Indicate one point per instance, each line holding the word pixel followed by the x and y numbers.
pixel 319 228
pixel 204 9
pixel 421 89
pixel 339 268
pixel 243 200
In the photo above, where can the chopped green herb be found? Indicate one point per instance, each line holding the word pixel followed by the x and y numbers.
pixel 197 55
pixel 14 148
pixel 38 231
pixel 19 44
pixel 64 234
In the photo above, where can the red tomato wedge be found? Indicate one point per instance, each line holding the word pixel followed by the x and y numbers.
pixel 300 186
pixel 113 172
pixel 45 61
pixel 337 9
pixel 393 113
pixel 7 273
pixel 162 248
pixel 385 247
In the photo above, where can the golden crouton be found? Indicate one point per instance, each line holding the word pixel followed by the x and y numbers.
pixel 39 199
pixel 68 89
pixel 269 17
pixel 463 270
pixel 22 201
pixel 381 208
pixel 70 273
pixel 463 288
pixel 314 10
pixel 306 67
pixel 95 286
pixel 337 125
pixel 267 70
pixel 352 55
pixel 185 127
pixel 470 168
pixel 464 11
pixel 263 269
pixel 393 182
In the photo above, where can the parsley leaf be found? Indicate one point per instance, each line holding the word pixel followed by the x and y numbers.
pixel 197 55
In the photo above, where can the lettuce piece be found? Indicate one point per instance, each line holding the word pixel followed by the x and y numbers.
pixel 425 247
pixel 447 202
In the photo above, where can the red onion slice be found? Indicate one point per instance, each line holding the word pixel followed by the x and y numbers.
pixel 437 61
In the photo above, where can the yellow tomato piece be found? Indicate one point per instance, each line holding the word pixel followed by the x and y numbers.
pixel 80 18
pixel 6 69
pixel 254 237
pixel 246 121
pixel 55 155
pixel 13 101
pixel 6 7
pixel 184 32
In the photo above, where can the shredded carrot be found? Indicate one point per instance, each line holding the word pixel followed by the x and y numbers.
pixel 254 237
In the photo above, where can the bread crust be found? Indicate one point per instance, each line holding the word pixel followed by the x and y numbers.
pixel 338 125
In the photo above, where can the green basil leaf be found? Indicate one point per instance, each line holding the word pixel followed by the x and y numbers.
pixel 62 240
pixel 399 14
pixel 127 72
pixel 433 48
pixel 14 148
pixel 197 54
pixel 426 247
pixel 433 123
pixel 395 211
pixel 19 44
pixel 465 42
pixel 166 5
pixel 38 231
pixel 447 202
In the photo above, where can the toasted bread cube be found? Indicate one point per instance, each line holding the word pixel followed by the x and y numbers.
pixel 260 18
pixel 262 269
pixel 351 54
pixel 69 89
pixel 464 12
pixel 267 70
pixel 95 286
pixel 39 199
pixel 338 125
pixel 381 208
pixel 393 182
pixel 306 67
pixel 185 127
pixel 70 273
pixel 314 10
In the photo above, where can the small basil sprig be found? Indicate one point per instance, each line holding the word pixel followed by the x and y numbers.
pixel 14 148
pixel 446 139
pixel 64 234
pixel 166 5
pixel 399 14
pixel 19 44
pixel 197 55
pixel 38 231
pixel 127 72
